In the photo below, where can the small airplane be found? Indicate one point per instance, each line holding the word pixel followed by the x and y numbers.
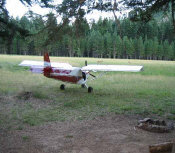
pixel 77 75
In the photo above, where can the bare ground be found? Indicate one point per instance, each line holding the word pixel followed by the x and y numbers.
pixel 109 134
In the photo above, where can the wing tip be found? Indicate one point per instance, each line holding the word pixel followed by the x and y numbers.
pixel 142 69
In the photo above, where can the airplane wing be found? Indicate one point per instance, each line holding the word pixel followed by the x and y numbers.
pixel 41 64
pixel 124 68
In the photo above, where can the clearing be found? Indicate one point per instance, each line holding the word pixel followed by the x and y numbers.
pixel 35 116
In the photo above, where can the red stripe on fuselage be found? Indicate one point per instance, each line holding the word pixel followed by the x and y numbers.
pixel 61 74
pixel 71 79
pixel 62 71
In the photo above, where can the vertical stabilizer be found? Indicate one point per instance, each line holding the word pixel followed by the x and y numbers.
pixel 46 60
pixel 47 65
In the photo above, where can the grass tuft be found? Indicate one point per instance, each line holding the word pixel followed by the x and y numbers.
pixel 25 138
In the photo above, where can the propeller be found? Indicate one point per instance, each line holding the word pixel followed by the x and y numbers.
pixel 92 75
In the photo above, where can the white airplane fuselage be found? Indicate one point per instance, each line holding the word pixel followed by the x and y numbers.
pixel 71 75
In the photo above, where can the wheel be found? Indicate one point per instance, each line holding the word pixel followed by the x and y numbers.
pixel 90 89
pixel 62 87
pixel 83 86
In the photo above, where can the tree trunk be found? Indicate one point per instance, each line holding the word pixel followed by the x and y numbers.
pixel 163 147
pixel 117 21
pixel 172 13
pixel 9 46
pixel 114 51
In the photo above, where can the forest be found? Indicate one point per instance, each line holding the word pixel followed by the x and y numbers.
pixel 153 40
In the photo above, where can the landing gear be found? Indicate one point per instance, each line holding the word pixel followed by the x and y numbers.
pixel 90 89
pixel 62 87
pixel 83 86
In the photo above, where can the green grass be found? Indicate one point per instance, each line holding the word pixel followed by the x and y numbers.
pixel 149 92
pixel 25 138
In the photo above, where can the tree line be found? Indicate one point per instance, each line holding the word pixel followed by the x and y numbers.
pixel 151 37
pixel 104 39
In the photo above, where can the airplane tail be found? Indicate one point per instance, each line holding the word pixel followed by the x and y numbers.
pixel 47 65
pixel 46 60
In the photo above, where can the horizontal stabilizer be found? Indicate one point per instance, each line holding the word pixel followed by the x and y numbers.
pixel 124 68
pixel 38 70
pixel 41 64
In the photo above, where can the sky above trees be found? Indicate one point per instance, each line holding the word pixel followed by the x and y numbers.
pixel 17 9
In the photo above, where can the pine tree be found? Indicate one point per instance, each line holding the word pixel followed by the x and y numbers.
pixel 174 50
pixel 140 48
pixel 160 51
pixel 166 49
pixel 155 48
pixel 109 44
pixel 114 42
pixel 148 48
pixel 126 47
pixel 131 48
pixel 119 46
pixel 171 51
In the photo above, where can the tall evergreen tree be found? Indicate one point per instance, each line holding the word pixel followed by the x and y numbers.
pixel 166 49
pixel 119 46
pixel 155 48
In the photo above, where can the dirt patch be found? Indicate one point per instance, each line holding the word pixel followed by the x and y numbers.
pixel 110 134
pixel 20 100
pixel 25 95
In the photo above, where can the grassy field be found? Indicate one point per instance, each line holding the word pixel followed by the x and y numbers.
pixel 147 93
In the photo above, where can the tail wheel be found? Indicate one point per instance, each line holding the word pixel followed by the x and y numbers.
pixel 62 87
pixel 90 89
